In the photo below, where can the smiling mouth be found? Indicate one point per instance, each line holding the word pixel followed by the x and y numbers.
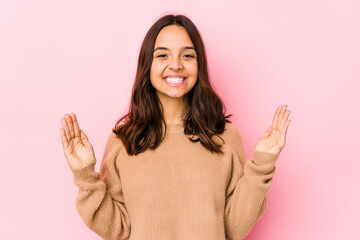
pixel 175 79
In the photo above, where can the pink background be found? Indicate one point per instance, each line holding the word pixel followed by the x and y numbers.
pixel 80 56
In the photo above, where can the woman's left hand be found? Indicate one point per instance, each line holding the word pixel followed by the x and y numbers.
pixel 273 141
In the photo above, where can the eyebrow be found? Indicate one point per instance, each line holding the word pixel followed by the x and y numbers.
pixel 164 48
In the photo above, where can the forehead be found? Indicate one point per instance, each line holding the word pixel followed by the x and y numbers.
pixel 173 36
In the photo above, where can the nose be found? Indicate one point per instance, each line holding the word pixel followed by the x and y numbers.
pixel 175 63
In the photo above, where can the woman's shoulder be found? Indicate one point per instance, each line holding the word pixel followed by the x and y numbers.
pixel 231 135
pixel 231 131
pixel 113 143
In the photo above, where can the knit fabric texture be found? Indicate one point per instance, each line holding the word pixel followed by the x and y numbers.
pixel 179 191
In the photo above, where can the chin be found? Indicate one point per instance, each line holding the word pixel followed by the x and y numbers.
pixel 177 96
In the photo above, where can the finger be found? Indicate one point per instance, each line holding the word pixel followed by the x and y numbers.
pixel 66 128
pixel 281 115
pixel 64 141
pixel 276 116
pixel 76 125
pixel 286 126
pixel 284 130
pixel 70 125
pixel 284 118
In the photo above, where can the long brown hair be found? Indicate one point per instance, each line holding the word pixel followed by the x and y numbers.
pixel 141 128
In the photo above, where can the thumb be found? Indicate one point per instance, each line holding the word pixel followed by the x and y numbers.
pixel 268 131
pixel 84 139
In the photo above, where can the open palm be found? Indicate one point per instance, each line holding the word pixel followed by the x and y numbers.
pixel 77 148
pixel 273 141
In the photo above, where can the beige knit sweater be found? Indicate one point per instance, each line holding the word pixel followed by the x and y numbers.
pixel 179 191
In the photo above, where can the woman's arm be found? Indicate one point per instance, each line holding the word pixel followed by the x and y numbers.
pixel 100 200
pixel 251 179
pixel 246 194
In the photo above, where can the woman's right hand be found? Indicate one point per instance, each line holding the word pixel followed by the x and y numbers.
pixel 77 148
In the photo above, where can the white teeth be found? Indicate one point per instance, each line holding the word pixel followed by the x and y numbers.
pixel 175 80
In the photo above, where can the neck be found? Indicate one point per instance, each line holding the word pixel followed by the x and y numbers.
pixel 174 109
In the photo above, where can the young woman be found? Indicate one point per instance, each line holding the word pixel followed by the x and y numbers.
pixel 174 166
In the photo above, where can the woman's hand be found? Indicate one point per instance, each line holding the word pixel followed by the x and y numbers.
pixel 273 141
pixel 77 148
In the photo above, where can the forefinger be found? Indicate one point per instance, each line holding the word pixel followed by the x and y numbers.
pixel 276 117
pixel 76 125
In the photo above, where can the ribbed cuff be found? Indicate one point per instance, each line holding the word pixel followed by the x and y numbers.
pixel 261 170
pixel 85 176
pixel 265 158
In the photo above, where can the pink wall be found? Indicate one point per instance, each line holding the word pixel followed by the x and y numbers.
pixel 62 56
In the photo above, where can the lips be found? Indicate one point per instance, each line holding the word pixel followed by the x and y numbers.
pixel 175 80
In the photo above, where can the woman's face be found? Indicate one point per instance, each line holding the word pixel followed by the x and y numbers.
pixel 174 69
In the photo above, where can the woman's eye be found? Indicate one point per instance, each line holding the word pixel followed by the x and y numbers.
pixel 186 56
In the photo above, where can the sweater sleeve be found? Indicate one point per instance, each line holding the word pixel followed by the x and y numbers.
pixel 100 201
pixel 246 192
